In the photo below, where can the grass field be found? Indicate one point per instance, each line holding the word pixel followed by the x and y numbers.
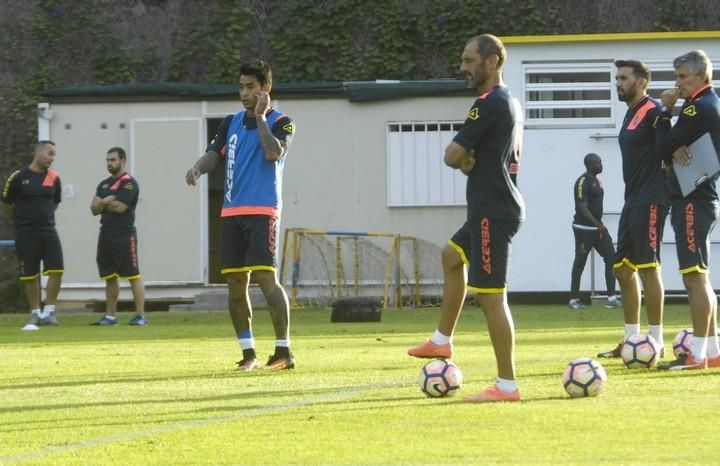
pixel 169 394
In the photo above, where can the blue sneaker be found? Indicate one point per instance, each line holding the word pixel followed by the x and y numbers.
pixel 106 322
pixel 576 305
pixel 49 319
pixel 613 302
pixel 139 320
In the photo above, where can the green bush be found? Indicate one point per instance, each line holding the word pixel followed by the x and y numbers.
pixel 12 298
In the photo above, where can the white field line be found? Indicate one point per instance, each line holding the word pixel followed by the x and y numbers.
pixel 124 436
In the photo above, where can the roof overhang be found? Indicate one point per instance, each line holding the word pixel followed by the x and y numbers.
pixel 622 36
pixel 355 91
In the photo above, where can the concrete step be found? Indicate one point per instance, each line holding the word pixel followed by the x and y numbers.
pixel 217 299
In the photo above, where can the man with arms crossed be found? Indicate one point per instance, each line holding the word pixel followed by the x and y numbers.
pixel 487 149
pixel 29 198
pixel 694 216
pixel 642 219
pixel 115 200
pixel 254 144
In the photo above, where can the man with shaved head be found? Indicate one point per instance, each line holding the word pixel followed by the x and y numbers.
pixel 29 198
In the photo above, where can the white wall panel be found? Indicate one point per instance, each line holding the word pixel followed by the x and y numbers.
pixel 168 214
pixel 416 174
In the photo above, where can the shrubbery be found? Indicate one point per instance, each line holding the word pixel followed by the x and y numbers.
pixel 52 43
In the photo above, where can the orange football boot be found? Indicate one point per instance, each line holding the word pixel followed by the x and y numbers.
pixel 493 394
pixel 432 350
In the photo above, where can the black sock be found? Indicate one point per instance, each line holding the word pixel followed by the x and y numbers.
pixel 283 351
pixel 249 353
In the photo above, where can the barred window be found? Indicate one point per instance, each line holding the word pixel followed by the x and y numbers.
pixel 416 173
pixel 568 94
pixel 663 77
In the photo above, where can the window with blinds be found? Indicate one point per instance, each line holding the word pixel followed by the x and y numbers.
pixel 416 173
pixel 663 77
pixel 568 94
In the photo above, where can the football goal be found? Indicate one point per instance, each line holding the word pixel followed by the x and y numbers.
pixel 319 267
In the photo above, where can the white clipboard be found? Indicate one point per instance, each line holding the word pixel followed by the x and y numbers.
pixel 704 165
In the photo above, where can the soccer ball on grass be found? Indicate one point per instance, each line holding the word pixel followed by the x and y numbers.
pixel 640 352
pixel 584 377
pixel 683 342
pixel 440 378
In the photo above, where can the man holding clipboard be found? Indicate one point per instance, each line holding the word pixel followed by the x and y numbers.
pixel 694 199
pixel 704 165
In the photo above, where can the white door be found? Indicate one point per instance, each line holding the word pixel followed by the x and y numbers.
pixel 170 215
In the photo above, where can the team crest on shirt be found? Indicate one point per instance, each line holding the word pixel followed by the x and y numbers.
pixel 26 182
pixel 289 128
pixel 474 113
pixel 128 186
pixel 690 111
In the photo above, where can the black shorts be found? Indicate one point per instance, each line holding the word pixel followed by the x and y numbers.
pixel 117 256
pixel 693 221
pixel 248 243
pixel 586 240
pixel 640 234
pixel 484 244
pixel 35 246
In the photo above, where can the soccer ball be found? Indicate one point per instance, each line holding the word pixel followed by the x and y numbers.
pixel 584 377
pixel 683 342
pixel 640 352
pixel 440 378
